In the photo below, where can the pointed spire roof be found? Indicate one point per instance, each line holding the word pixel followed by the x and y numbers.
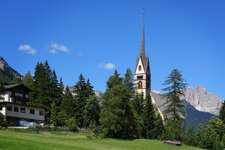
pixel 142 51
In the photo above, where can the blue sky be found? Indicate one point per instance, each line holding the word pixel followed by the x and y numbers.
pixel 94 37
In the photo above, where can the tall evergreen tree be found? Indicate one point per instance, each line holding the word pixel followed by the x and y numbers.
pixel 90 91
pixel 53 118
pixel 222 112
pixel 28 81
pixel 68 104
pixel 61 86
pixel 149 117
pixel 128 83
pixel 91 112
pixel 83 90
pixel 46 89
pixel 173 92
pixel 117 117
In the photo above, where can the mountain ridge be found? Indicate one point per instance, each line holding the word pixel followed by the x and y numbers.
pixel 7 73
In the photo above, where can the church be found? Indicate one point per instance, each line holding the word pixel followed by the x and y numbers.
pixel 142 77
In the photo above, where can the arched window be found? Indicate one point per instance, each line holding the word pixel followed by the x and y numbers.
pixel 139 68
pixel 139 85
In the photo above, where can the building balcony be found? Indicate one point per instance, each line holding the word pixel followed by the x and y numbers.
pixel 22 111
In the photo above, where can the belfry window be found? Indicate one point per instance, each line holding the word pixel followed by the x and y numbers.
pixel 139 85
pixel 139 68
pixel 139 77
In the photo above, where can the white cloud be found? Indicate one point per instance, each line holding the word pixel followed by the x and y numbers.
pixel 27 49
pixel 55 47
pixel 107 65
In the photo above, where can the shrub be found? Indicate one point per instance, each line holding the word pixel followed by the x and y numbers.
pixel 71 124
pixel 2 120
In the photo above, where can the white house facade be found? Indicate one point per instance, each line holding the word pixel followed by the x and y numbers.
pixel 15 106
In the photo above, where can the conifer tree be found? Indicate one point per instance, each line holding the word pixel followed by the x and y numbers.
pixel 83 90
pixel 117 117
pixel 68 105
pixel 53 118
pixel 174 90
pixel 149 118
pixel 91 112
pixel 128 83
pixel 28 81
pixel 46 89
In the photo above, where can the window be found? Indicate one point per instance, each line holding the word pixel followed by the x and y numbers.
pixel 9 108
pixel 139 68
pixel 16 109
pixel 41 112
pixel 32 111
pixel 139 85
pixel 139 77
pixel 19 94
pixel 22 110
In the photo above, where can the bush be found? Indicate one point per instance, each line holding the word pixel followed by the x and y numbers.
pixel 71 124
pixel 2 120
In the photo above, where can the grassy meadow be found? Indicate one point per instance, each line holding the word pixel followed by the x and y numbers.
pixel 14 140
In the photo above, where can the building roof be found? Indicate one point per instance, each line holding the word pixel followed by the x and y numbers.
pixel 17 86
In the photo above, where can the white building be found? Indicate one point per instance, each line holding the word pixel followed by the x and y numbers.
pixel 14 105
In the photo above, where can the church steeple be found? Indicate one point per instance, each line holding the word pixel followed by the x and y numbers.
pixel 142 51
pixel 142 76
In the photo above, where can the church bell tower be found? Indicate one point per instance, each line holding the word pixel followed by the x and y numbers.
pixel 142 76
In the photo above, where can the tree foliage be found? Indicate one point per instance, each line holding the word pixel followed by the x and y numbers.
pixel 83 90
pixel 92 112
pixel 117 117
pixel 174 90
pixel 46 89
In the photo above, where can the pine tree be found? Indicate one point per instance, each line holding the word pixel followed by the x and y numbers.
pixel 222 112
pixel 83 90
pixel 91 112
pixel 28 81
pixel 68 105
pixel 174 90
pixel 53 118
pixel 90 91
pixel 61 86
pixel 138 103
pixel 128 83
pixel 46 89
pixel 117 117
pixel 149 118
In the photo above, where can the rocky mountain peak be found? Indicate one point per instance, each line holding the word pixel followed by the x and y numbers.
pixel 6 72
pixel 202 100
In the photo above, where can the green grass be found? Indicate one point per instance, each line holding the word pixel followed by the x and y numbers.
pixel 11 140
